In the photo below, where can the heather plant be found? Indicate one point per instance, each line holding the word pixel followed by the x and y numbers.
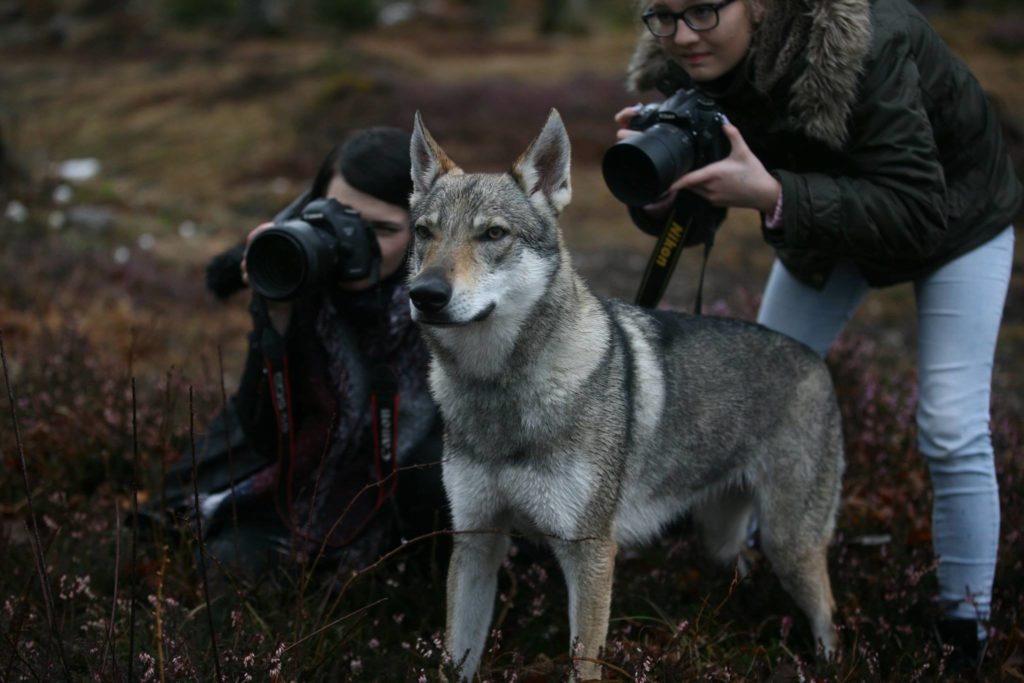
pixel 130 607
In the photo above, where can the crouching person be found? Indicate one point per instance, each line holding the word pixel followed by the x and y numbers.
pixel 332 442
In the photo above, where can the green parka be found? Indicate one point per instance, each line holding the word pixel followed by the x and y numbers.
pixel 888 151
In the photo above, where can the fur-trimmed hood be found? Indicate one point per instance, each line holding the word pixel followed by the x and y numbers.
pixel 828 40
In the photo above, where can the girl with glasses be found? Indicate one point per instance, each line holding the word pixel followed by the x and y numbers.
pixel 876 160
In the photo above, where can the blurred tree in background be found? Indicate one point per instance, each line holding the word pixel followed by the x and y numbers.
pixel 563 16
pixel 117 23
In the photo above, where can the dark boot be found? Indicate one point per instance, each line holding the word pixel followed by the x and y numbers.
pixel 962 636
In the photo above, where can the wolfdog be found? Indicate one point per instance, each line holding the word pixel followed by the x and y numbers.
pixel 593 423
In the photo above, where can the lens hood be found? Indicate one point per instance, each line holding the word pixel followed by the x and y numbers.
pixel 640 169
pixel 287 259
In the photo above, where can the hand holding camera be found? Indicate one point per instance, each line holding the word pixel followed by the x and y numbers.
pixel 739 180
pixel 248 240
pixel 685 143
pixel 682 133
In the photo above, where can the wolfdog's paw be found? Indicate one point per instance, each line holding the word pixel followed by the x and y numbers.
pixel 584 670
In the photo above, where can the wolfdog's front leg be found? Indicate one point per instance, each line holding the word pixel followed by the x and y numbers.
pixel 472 584
pixel 589 567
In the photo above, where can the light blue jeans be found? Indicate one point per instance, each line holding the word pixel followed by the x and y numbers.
pixel 959 309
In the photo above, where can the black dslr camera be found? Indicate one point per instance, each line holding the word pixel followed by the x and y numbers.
pixel 681 134
pixel 328 243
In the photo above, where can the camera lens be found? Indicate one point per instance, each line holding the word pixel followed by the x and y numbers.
pixel 276 264
pixel 330 243
pixel 639 169
pixel 284 260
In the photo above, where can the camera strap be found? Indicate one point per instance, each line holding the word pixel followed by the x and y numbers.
pixel 384 403
pixel 275 363
pixel 384 400
pixel 663 262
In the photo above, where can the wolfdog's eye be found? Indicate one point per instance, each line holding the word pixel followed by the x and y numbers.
pixel 423 232
pixel 494 233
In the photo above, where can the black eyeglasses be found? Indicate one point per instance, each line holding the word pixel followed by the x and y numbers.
pixel 663 22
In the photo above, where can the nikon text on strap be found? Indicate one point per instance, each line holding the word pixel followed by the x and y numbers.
pixel 663 263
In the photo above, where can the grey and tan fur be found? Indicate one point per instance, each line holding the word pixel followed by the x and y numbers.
pixel 592 423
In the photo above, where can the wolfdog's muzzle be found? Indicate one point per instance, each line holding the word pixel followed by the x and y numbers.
pixel 431 295
pixel 430 291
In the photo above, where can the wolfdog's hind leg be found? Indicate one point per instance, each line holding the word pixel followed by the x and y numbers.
pixel 803 572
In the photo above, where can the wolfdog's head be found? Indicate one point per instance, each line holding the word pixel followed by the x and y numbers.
pixel 486 245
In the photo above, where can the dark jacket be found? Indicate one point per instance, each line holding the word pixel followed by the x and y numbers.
pixel 888 151
pixel 334 348
pixel 294 483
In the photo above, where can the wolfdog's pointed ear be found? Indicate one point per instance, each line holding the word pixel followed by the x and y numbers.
pixel 543 169
pixel 429 162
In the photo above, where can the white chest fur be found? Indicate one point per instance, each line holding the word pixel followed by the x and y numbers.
pixel 550 501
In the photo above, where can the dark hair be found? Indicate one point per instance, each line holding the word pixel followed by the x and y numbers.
pixel 374 161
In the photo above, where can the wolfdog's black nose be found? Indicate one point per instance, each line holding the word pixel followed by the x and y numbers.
pixel 430 292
